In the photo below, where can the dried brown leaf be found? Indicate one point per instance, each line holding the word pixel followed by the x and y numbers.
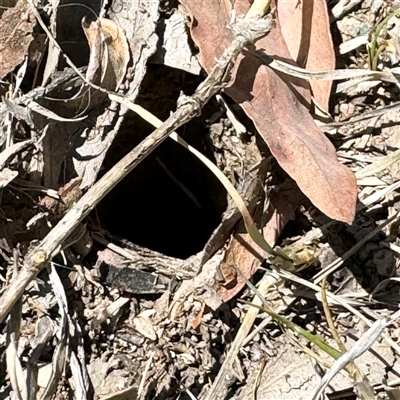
pixel 16 27
pixel 244 254
pixel 197 320
pixel 138 20
pixel 305 28
pixel 67 196
pixel 109 52
pixel 277 104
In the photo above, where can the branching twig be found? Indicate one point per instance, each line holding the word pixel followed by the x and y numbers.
pixel 246 32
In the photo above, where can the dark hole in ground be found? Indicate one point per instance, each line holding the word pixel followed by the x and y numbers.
pixel 170 203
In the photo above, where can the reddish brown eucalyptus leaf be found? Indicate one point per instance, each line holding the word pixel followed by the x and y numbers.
pixel 244 253
pixel 277 104
pixel 305 28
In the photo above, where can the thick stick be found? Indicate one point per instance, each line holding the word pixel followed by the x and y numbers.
pixel 246 33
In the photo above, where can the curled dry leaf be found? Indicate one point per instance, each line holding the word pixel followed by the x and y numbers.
pixel 305 28
pixel 16 27
pixel 277 104
pixel 109 52
pixel 243 253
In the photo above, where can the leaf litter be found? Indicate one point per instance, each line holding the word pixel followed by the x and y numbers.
pixel 128 320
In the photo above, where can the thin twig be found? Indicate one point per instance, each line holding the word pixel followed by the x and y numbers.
pixel 14 366
pixel 362 117
pixel 362 384
pixel 328 316
pixel 258 378
pixel 337 74
pixel 144 376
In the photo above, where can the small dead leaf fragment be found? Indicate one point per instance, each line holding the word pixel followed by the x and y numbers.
pixel 145 327
pixel 244 253
pixel 197 320
pixel 246 256
pixel 67 195
pixel 16 27
pixel 6 176
pixel 44 375
pixel 109 52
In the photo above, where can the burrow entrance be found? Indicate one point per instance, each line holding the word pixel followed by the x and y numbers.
pixel 171 202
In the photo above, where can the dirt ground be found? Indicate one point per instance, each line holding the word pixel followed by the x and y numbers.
pixel 150 295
